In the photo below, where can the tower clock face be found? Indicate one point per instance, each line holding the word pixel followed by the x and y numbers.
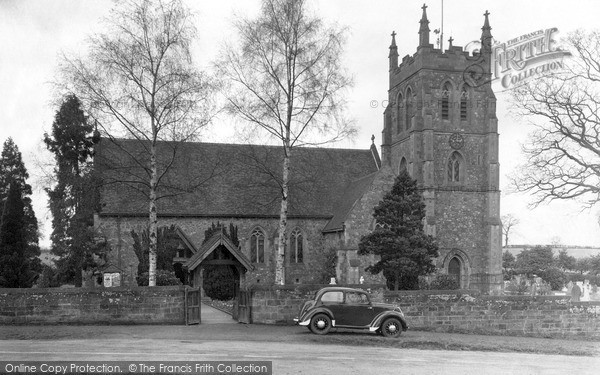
pixel 456 141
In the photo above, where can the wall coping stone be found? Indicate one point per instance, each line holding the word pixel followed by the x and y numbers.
pixel 309 287
pixel 91 290
pixel 431 292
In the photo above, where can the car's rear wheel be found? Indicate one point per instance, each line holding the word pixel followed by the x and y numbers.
pixel 320 324
pixel 391 327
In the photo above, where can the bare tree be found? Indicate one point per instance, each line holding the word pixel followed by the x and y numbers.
pixel 509 221
pixel 287 80
pixel 138 82
pixel 563 153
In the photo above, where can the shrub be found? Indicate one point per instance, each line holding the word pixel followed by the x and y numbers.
pixel 48 278
pixel 163 278
pixel 439 282
pixel 516 286
pixel 323 269
pixel 555 277
pixel 444 282
pixel 219 282
pixel 594 279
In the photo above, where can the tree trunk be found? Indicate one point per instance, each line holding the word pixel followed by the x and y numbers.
pixel 280 257
pixel 397 282
pixel 153 218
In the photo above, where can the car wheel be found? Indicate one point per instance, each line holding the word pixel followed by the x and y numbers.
pixel 391 328
pixel 320 324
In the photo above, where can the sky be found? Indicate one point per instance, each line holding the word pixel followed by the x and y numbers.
pixel 34 32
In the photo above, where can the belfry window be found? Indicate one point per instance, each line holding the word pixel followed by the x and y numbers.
pixel 409 108
pixel 399 114
pixel 446 102
pixel 296 246
pixel 454 167
pixel 464 97
pixel 257 246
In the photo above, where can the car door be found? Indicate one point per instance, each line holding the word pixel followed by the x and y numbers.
pixel 333 300
pixel 357 310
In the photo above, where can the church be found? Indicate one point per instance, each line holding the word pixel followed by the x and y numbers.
pixel 440 126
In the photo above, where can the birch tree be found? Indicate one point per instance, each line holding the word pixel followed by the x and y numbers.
pixel 138 81
pixel 286 80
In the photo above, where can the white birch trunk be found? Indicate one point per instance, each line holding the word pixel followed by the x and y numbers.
pixel 280 256
pixel 153 221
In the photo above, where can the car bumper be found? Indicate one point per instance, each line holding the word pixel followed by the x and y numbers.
pixel 301 323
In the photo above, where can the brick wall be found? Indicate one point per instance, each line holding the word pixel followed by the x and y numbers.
pixel 143 305
pixel 463 311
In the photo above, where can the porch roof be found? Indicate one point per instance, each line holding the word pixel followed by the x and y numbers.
pixel 209 246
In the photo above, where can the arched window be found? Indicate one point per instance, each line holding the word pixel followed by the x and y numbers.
pixel 454 167
pixel 447 89
pixel 454 269
pixel 464 97
pixel 296 247
pixel 257 246
pixel 409 108
pixel 400 113
pixel 403 165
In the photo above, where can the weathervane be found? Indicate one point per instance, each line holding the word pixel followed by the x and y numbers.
pixel 440 31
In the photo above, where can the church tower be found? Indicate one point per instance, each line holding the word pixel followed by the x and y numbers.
pixel 441 126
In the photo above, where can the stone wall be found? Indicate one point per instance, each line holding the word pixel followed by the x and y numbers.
pixel 463 311
pixel 466 311
pixel 143 305
pixel 281 304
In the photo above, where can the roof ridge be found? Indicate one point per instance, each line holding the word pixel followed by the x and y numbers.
pixel 245 144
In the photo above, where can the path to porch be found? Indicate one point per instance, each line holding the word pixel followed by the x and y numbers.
pixel 210 315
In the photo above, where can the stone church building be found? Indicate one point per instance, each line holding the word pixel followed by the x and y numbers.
pixel 440 125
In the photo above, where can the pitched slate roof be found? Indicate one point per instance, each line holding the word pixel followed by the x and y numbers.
pixel 353 192
pixel 227 180
pixel 210 245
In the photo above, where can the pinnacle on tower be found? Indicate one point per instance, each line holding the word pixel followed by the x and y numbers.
pixel 424 29
pixel 393 56
pixel 486 35
pixel 450 42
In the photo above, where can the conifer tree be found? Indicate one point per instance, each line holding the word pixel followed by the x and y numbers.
pixel 15 269
pixel 405 251
pixel 73 199
pixel 13 171
pixel 166 250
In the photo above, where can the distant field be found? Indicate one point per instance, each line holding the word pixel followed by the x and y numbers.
pixel 577 252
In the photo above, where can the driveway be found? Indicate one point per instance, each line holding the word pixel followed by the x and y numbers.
pixel 210 315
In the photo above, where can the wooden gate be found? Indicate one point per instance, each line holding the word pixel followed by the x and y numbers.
pixel 243 311
pixel 192 305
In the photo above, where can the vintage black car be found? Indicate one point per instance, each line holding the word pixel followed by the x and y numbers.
pixel 338 307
